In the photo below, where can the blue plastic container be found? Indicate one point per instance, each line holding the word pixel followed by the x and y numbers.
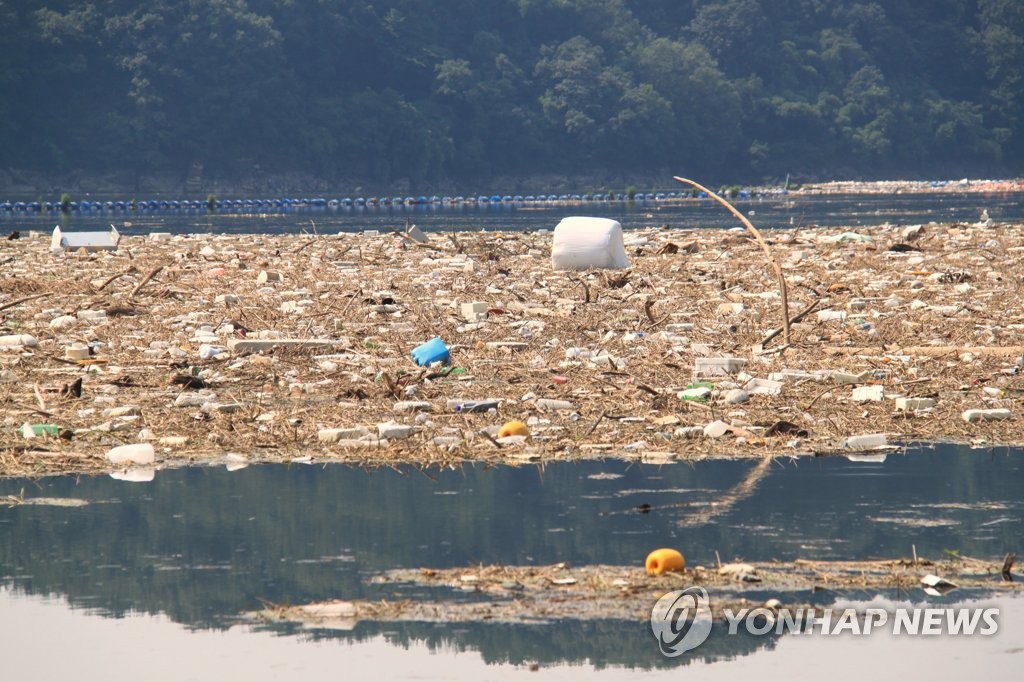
pixel 430 352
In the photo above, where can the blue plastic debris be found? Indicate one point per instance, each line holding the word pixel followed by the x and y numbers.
pixel 430 352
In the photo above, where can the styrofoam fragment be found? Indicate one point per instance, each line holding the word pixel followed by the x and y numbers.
pixel 986 415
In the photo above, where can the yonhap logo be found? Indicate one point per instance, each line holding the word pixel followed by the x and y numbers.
pixel 681 620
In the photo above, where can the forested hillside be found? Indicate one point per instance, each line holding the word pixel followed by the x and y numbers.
pixel 456 92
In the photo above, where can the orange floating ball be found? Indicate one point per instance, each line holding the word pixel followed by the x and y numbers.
pixel 513 428
pixel 664 560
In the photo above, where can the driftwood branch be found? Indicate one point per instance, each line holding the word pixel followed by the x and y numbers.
pixel 928 351
pixel 764 247
pixel 145 280
pixel 586 288
pixel 793 320
pixel 5 306
pixel 110 279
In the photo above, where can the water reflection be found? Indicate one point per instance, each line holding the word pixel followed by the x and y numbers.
pixel 202 545
pixel 137 646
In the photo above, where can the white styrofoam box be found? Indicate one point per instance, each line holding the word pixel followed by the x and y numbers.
pixel 582 243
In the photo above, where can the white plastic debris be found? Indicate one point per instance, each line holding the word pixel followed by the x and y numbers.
pixel 90 241
pixel 234 461
pixel 831 315
pixel 12 340
pixel 914 404
pixel 338 434
pixel 739 571
pixel 474 311
pixel 862 394
pixel 936 586
pixel 393 430
pixel 874 458
pixel 763 387
pixel 584 243
pixel 209 352
pixel 76 351
pixel 717 429
pixel 63 323
pixel 135 474
pixel 550 404
pixel 735 396
pixel 845 237
pixel 986 415
pixel 867 441
pixel 717 366
pixel 412 406
pixel 133 453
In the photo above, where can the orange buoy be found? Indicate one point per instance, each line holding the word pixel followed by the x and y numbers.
pixel 513 428
pixel 664 560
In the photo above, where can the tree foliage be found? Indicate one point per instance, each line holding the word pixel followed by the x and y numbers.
pixel 459 91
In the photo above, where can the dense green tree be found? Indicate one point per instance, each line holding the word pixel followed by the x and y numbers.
pixel 1001 36
pixel 371 93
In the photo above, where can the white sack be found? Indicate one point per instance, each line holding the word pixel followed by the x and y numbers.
pixel 582 243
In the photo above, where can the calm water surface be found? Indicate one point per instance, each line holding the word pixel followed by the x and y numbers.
pixel 781 211
pixel 150 577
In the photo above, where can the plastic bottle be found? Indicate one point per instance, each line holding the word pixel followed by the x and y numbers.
pixel 26 340
pixel 473 405
pixel 550 404
pixel 35 430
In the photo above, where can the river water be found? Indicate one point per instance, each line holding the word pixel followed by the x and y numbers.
pixel 148 579
pixel 766 212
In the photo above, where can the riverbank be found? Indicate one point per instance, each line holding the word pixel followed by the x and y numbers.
pixel 235 349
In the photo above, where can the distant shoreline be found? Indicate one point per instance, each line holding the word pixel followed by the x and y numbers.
pixel 30 186
pixel 912 186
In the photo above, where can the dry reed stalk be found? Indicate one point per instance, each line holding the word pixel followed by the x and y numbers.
pixel 764 247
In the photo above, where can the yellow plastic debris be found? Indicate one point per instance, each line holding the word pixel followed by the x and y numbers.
pixel 513 428
pixel 664 560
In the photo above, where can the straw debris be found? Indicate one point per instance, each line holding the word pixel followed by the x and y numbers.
pixel 214 358
pixel 531 594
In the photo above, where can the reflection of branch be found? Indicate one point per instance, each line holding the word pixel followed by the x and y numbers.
pixel 726 502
